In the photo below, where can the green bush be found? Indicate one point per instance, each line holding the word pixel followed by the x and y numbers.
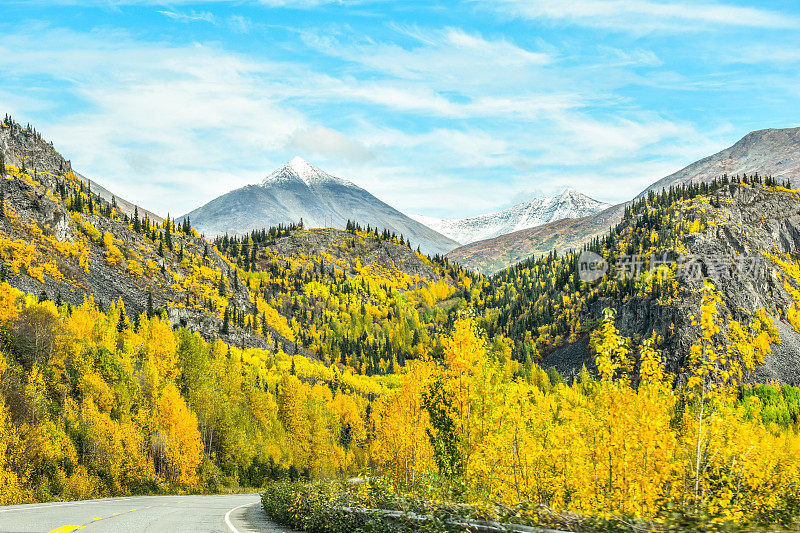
pixel 374 507
pixel 337 507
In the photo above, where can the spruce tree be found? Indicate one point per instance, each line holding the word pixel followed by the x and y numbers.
pixel 121 325
pixel 168 236
pixel 225 322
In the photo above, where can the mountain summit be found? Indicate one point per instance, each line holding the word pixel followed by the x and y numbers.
pixel 299 190
pixel 538 211
pixel 300 170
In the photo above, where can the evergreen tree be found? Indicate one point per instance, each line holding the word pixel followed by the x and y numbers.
pixel 121 322
pixel 225 322
pixel 168 235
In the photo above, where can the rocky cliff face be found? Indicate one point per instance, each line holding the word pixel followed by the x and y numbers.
pixel 750 222
pixel 25 147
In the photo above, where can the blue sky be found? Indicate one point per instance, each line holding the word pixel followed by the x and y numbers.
pixel 442 108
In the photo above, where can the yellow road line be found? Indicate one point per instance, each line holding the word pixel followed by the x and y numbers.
pixel 99 518
pixel 66 529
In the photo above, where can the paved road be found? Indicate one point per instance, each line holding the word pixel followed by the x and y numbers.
pixel 233 513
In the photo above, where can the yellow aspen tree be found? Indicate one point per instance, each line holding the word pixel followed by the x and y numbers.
pixel 182 448
pixel 612 349
pixel 465 355
pixel 651 363
pixel 12 474
pixel 400 442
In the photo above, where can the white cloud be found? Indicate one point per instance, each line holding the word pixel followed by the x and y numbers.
pixel 643 16
pixel 451 56
pixel 760 53
pixel 303 4
pixel 328 143
pixel 240 24
pixel 192 16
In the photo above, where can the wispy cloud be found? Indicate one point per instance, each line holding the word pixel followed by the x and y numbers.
pixel 304 4
pixel 436 55
pixel 240 24
pixel 761 53
pixel 642 16
pixel 192 16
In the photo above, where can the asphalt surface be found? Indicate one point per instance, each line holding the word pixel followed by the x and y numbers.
pixel 230 513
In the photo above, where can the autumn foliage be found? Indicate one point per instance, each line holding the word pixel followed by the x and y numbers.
pixel 93 404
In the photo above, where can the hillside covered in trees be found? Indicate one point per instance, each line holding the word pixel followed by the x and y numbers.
pixel 137 356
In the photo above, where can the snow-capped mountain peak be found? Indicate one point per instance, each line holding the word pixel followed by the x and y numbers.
pixel 300 191
pixel 301 171
pixel 535 212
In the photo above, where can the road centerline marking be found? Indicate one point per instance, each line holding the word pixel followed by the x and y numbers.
pixel 66 528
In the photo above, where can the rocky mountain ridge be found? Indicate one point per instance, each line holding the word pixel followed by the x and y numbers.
pixel 768 152
pixel 535 212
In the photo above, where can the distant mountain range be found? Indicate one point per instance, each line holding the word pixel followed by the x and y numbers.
pixel 299 190
pixel 538 211
pixel 492 255
pixel 770 152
